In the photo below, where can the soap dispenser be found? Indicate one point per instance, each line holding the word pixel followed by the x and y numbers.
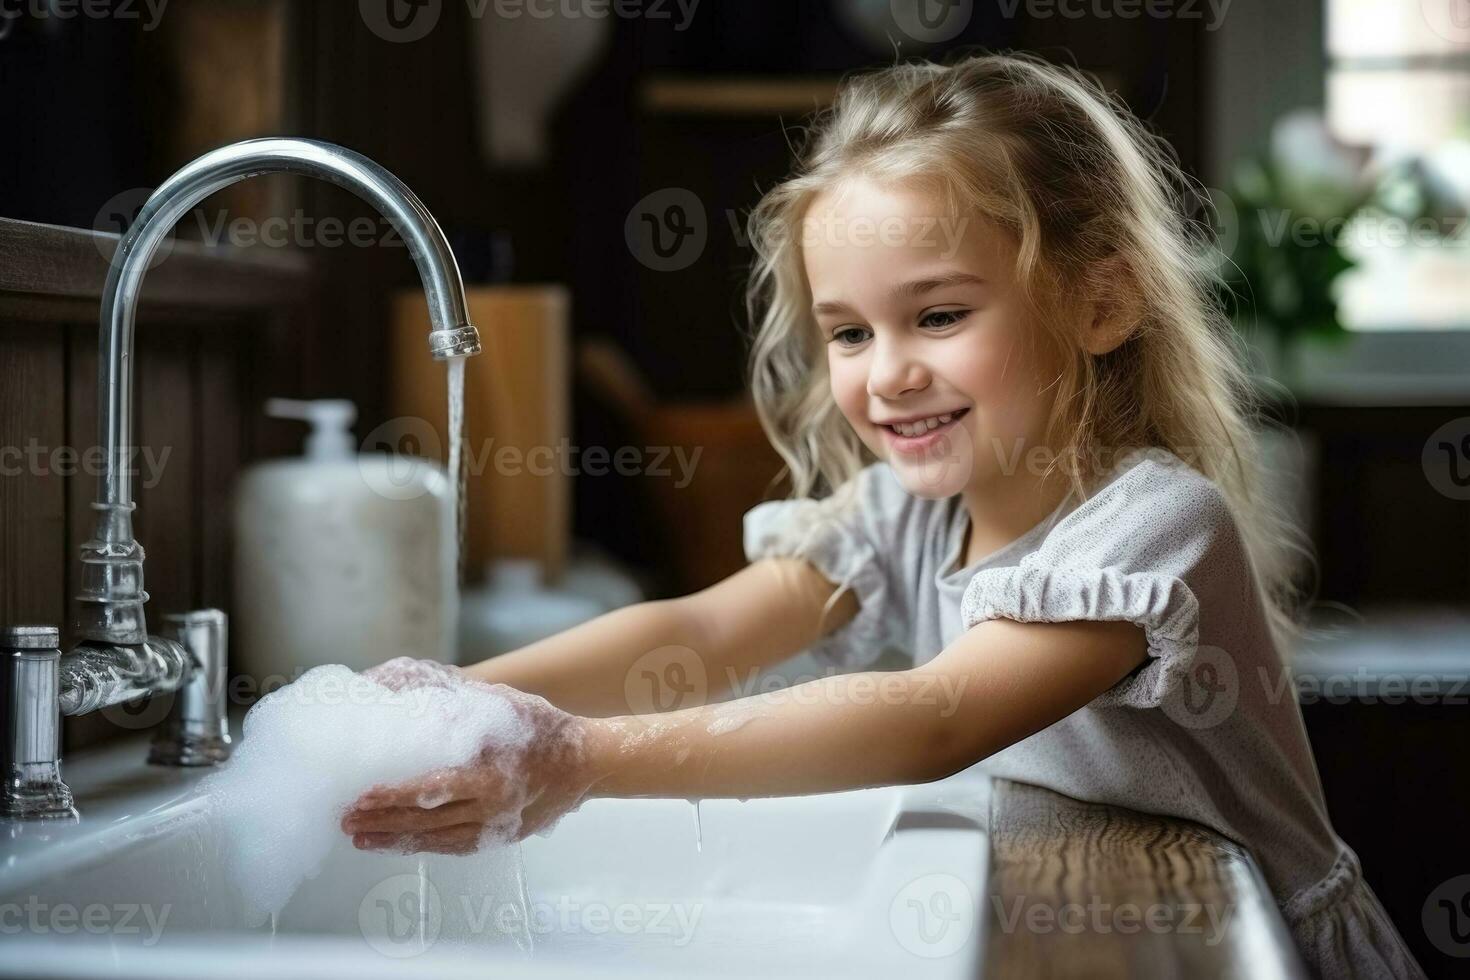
pixel 341 557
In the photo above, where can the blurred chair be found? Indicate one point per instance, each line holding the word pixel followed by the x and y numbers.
pixel 735 468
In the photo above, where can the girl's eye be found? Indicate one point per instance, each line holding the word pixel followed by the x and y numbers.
pixel 940 319
pixel 845 336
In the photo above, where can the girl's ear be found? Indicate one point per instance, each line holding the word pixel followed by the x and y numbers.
pixel 1111 312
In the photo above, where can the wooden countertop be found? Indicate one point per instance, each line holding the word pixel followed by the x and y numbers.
pixel 1083 890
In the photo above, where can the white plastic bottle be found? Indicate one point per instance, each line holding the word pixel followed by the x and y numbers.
pixel 341 557
pixel 514 609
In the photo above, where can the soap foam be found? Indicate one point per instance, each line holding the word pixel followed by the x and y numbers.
pixel 313 747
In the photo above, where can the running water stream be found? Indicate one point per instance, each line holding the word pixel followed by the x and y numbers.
pixel 423 905
pixel 457 474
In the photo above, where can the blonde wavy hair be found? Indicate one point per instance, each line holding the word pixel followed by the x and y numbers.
pixel 1097 206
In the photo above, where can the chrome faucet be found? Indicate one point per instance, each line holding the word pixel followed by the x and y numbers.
pixel 115 659
pixel 112 596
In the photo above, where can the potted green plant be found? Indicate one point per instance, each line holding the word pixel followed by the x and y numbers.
pixel 1283 218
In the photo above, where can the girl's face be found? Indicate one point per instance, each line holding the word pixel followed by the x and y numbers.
pixel 927 336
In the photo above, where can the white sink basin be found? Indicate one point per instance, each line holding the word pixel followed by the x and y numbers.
pixel 872 883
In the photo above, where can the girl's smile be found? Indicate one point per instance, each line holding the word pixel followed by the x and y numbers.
pixel 917 434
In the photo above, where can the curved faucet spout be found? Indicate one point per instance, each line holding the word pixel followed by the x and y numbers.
pixel 112 596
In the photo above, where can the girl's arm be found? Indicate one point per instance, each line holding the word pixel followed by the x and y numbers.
pixel 998 683
pixel 757 617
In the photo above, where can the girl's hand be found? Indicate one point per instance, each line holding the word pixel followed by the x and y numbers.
pixel 406 672
pixel 506 794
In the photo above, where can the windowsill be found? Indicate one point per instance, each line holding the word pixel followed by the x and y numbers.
pixel 1381 367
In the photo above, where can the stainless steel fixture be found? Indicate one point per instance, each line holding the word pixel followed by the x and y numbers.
pixel 115 659
pixel 33 786
pixel 197 730
pixel 41 686
pixel 112 596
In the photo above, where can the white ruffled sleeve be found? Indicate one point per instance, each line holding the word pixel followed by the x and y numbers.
pixel 845 537
pixel 1152 548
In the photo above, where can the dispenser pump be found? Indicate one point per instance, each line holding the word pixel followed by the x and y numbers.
pixel 330 420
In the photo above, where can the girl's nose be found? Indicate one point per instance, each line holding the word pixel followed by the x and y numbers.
pixel 894 371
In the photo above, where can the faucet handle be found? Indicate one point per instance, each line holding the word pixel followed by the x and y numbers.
pixel 197 730
pixel 33 787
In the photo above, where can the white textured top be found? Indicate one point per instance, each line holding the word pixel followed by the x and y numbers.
pixel 1207 729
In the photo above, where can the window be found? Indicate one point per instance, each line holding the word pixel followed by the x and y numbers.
pixel 1398 81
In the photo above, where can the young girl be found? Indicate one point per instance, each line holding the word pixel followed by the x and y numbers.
pixel 986 327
